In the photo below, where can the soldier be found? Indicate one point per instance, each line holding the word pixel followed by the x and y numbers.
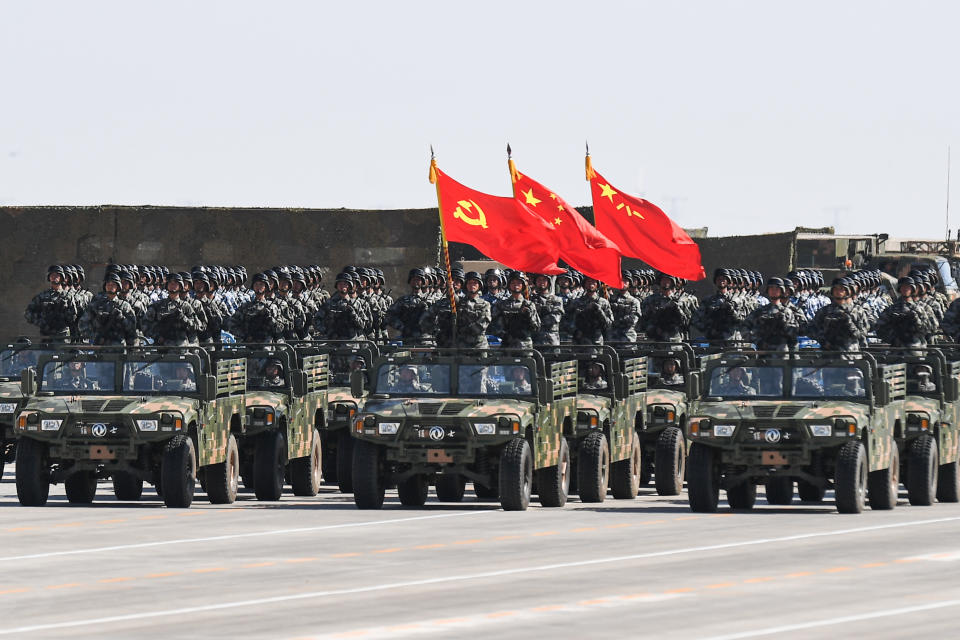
pixel 626 314
pixel 515 319
pixel 296 314
pixel 774 326
pixel 549 309
pixel 473 317
pixel 53 311
pixel 257 320
pixel 183 379
pixel 520 377
pixel 408 381
pixel 840 326
pixel 76 378
pixel 273 374
pixel 737 383
pixel 109 319
pixel 670 374
pixel 214 310
pixel 374 302
pixel 404 315
pixel 950 325
pixel 905 323
pixel 137 300
pixel 300 295
pixel 456 276
pixel 667 314
pixel 720 316
pixel 172 321
pixel 588 317
pixel 594 379
pixel 341 317
pixel 494 281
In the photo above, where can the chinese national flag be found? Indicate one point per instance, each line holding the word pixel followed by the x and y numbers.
pixel 503 229
pixel 582 246
pixel 642 230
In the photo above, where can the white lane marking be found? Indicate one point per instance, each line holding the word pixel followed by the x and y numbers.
pixel 460 578
pixel 832 621
pixel 233 536
pixel 946 556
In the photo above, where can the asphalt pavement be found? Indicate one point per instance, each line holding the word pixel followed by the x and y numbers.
pixel 320 568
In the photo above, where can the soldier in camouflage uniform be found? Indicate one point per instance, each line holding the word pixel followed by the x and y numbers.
pixel 300 295
pixel 214 310
pixel 494 283
pixel 53 311
pixel 950 325
pixel 515 319
pixel 257 320
pixel 587 318
pixel 342 317
pixel 667 314
pixel 626 313
pixel 109 319
pixel 376 304
pixel 473 317
pixel 776 325
pixel 720 316
pixel 404 315
pixel 297 319
pixel 172 321
pixel 840 326
pixel 132 294
pixel 549 309
pixel 905 323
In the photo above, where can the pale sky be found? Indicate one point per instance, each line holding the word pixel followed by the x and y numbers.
pixel 740 116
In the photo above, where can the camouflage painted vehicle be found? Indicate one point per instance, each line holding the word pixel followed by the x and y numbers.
pixel 822 419
pixel 604 440
pixel 928 439
pixel 669 403
pixel 335 433
pixel 14 358
pixel 160 414
pixel 495 417
pixel 286 404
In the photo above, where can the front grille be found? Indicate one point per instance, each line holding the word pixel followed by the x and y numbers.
pixel 789 410
pixel 764 411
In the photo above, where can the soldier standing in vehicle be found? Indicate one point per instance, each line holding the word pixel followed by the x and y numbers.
pixel 53 311
pixel 839 326
pixel 549 309
pixel 214 310
pixel 109 319
pixel 905 323
pixel 514 318
pixel 667 314
pixel 588 317
pixel 494 281
pixel 404 315
pixel 774 326
pixel 341 318
pixel 172 321
pixel 626 313
pixel 473 317
pixel 720 316
pixel 256 320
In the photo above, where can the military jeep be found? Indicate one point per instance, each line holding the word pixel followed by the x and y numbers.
pixel 928 437
pixel 135 414
pixel 284 413
pixel 822 419
pixel 14 358
pixel 441 416
pixel 604 440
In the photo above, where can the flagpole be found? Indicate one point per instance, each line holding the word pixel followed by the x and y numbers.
pixel 451 294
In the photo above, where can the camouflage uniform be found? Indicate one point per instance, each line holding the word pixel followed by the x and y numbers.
pixel 773 327
pixel 108 321
pixel 299 324
pixel 171 322
pixel 515 322
pixel 256 321
pixel 667 318
pixel 550 310
pixel 53 312
pixel 587 318
pixel 950 325
pixel 905 324
pixel 839 327
pixel 626 316
pixel 404 315
pixel 215 311
pixel 473 318
pixel 341 318
pixel 720 316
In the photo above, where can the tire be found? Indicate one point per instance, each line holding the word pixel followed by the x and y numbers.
pixel 127 486
pixel 810 492
pixel 369 481
pixel 178 472
pixel 923 466
pixel 593 468
pixel 269 466
pixel 451 487
pixel 625 474
pixel 413 491
pixel 883 486
pixel 32 473
pixel 948 483
pixel 743 496
pixel 703 479
pixel 305 472
pixel 669 462
pixel 851 478
pixel 779 490
pixel 553 483
pixel 223 478
pixel 81 487
pixel 486 493
pixel 329 461
pixel 345 463
pixel 516 475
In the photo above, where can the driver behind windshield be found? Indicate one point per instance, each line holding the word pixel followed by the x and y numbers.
pixel 737 383
pixel 670 372
pixel 273 374
pixel 182 380
pixel 519 376
pixel 408 381
pixel 595 380
pixel 76 378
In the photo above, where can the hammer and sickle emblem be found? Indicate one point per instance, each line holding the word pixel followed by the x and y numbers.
pixel 479 221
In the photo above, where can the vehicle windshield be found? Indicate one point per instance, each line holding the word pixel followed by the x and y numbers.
pixel 265 373
pixel 341 366
pixel 494 380
pixel 414 379
pixel 158 377
pixel 828 382
pixel 78 376
pixel 746 382
pixel 14 361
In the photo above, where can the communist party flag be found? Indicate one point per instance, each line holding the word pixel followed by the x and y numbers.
pixel 503 229
pixel 582 246
pixel 642 230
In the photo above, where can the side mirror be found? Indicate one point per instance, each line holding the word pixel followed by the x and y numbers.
pixel 357 383
pixel 209 387
pixel 299 379
pixel 694 391
pixel 954 390
pixel 28 382
pixel 545 391
pixel 621 381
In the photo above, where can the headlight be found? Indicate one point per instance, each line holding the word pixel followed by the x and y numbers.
pixel 388 428
pixel 821 430
pixel 485 429
pixel 8 407
pixel 723 430
pixel 50 425
pixel 147 425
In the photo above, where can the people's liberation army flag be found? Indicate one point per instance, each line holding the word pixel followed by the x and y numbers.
pixel 582 246
pixel 642 230
pixel 503 229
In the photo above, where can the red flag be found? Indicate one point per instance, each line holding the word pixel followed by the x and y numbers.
pixel 582 246
pixel 503 229
pixel 642 230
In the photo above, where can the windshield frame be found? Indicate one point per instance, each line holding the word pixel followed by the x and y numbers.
pixel 63 362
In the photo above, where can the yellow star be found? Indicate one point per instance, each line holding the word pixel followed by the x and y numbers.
pixel 531 199
pixel 608 192
pixel 557 221
pixel 553 195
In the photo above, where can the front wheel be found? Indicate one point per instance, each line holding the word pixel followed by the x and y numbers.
pixel 553 483
pixel 269 466
pixel 33 473
pixel 178 472
pixel 922 467
pixel 669 462
pixel 851 478
pixel 516 475
pixel 625 474
pixel 948 483
pixel 703 479
pixel 593 467
pixel 369 482
pixel 223 478
pixel 305 472
pixel 883 485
